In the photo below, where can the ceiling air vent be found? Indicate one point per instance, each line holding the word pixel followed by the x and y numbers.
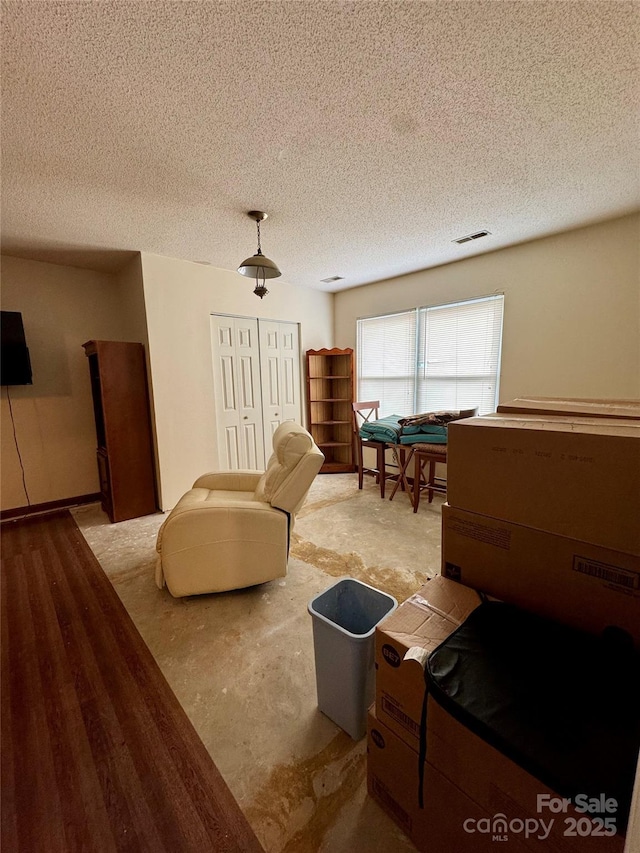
pixel 332 278
pixel 470 237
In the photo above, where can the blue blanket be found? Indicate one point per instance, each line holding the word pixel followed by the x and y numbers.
pixel 425 437
pixel 429 429
pixel 384 429
pixel 389 430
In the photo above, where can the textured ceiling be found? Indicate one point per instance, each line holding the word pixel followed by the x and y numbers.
pixel 374 133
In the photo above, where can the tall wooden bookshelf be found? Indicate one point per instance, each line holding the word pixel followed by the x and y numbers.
pixel 329 412
pixel 123 428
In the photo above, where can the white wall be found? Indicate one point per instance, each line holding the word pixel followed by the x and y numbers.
pixel 571 314
pixel 62 308
pixel 180 296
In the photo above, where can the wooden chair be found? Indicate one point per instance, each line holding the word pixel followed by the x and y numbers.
pixel 428 454
pixel 367 412
pixel 423 454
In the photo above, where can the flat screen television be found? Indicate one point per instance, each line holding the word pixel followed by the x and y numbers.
pixel 15 364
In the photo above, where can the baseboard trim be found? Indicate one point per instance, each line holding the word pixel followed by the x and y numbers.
pixel 33 509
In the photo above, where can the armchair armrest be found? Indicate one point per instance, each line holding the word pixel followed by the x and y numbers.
pixel 235 481
pixel 213 546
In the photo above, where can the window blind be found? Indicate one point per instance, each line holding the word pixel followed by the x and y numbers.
pixel 459 355
pixel 387 361
pixel 428 359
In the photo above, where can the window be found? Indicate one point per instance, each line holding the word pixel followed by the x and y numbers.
pixel 387 361
pixel 427 359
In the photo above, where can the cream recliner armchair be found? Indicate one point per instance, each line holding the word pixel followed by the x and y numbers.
pixel 232 528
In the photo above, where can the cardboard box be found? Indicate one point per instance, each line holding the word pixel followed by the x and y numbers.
pixel 503 789
pixel 582 585
pixel 402 642
pixel 625 409
pixel 392 775
pixel 451 820
pixel 392 781
pixel 576 477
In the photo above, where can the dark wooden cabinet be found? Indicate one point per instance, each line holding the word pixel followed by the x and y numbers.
pixel 123 428
pixel 329 412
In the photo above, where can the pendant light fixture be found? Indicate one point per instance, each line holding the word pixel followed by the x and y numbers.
pixel 258 266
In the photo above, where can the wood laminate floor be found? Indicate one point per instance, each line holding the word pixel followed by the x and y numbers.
pixel 97 753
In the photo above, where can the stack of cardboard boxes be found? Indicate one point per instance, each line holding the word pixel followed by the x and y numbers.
pixel 544 513
pixel 543 510
pixel 403 641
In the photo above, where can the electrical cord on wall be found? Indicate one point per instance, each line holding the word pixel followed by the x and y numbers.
pixel 15 438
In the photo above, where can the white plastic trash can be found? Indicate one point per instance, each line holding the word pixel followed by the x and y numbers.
pixel 344 620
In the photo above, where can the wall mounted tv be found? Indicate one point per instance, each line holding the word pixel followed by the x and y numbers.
pixel 15 364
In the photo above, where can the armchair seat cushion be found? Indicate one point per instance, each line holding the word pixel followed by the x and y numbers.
pixel 223 496
pixel 197 496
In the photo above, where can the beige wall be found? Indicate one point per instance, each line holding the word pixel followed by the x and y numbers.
pixel 62 307
pixel 571 315
pixel 132 312
pixel 572 327
pixel 180 297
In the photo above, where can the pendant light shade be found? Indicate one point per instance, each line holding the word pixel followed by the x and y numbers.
pixel 258 266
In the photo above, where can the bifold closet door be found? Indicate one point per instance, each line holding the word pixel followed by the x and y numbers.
pixel 236 369
pixel 280 375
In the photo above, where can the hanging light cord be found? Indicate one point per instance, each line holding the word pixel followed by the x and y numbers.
pixel 15 438
pixel 260 290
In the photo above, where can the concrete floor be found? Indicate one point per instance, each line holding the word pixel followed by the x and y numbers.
pixel 241 663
